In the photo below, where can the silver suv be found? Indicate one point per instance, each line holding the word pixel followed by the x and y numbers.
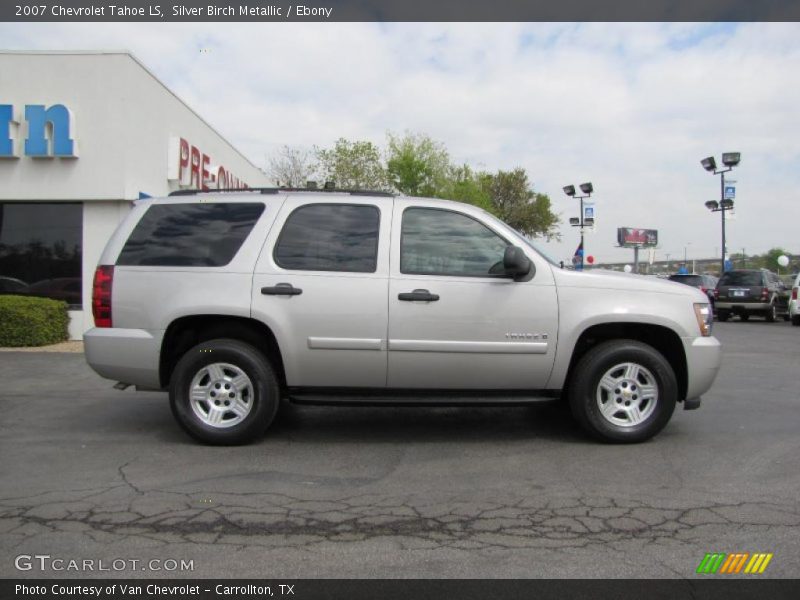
pixel 233 301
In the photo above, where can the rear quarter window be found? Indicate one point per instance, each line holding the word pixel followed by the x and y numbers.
pixel 190 235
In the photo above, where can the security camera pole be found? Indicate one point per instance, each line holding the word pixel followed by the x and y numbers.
pixel 730 160
pixel 587 189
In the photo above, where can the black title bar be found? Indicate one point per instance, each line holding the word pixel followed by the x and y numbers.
pixel 398 10
pixel 731 588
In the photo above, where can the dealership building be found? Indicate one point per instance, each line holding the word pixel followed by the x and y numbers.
pixel 82 136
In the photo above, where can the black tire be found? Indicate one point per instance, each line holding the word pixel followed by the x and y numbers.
pixel 744 316
pixel 786 316
pixel 583 390
pixel 796 320
pixel 262 396
pixel 723 316
pixel 772 313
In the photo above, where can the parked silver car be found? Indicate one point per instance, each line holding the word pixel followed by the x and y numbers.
pixel 233 300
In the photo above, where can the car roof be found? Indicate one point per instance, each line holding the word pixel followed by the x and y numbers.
pixel 262 194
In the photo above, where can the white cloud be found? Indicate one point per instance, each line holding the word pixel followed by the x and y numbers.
pixel 631 107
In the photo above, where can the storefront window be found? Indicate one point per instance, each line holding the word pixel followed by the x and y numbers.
pixel 40 250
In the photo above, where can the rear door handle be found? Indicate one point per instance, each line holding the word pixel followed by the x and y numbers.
pixel 418 296
pixel 282 289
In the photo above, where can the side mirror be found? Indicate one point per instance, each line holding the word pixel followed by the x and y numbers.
pixel 515 263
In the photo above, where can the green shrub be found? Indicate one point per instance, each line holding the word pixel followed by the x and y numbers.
pixel 30 321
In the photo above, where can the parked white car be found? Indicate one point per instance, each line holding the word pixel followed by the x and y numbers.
pixel 233 300
pixel 794 306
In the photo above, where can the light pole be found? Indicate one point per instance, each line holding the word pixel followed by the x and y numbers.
pixel 587 190
pixel 730 160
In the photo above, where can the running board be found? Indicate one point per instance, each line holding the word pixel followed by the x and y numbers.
pixel 458 398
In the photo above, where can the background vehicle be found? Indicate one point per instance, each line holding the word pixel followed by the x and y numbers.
pixel 749 292
pixel 794 304
pixel 67 289
pixel 232 301
pixel 705 283
pixel 11 285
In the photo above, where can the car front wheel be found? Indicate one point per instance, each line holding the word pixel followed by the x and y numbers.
pixel 224 392
pixel 623 391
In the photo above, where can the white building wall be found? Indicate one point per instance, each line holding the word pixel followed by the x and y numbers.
pixel 123 120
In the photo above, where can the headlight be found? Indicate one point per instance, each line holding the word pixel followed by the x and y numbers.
pixel 705 318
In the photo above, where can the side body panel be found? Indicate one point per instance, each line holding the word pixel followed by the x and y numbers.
pixel 483 333
pixel 333 334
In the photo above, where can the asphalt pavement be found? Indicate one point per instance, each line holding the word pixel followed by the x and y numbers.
pixel 91 473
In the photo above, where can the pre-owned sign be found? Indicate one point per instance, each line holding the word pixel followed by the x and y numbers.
pixel 193 168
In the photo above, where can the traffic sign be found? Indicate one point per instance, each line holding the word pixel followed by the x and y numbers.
pixel 730 192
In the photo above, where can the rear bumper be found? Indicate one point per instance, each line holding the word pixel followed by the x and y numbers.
pixel 742 306
pixel 703 359
pixel 126 355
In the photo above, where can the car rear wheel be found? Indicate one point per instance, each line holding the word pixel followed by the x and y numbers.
pixel 796 320
pixel 623 391
pixel 772 313
pixel 224 392
pixel 723 316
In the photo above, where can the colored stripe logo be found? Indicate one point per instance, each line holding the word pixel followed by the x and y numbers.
pixel 737 562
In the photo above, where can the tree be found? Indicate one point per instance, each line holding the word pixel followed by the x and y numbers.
pixel 770 259
pixel 517 204
pixel 465 185
pixel 417 165
pixel 291 166
pixel 353 165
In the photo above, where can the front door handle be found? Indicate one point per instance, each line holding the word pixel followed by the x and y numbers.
pixel 282 289
pixel 418 296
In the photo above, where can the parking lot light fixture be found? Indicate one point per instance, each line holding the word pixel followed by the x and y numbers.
pixel 709 164
pixel 730 160
pixel 586 190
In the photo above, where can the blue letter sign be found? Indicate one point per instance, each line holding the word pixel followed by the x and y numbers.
pixel 59 118
pixel 6 143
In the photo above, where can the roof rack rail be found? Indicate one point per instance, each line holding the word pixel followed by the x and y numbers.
pixel 278 190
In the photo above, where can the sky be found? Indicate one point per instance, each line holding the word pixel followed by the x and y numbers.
pixel 630 107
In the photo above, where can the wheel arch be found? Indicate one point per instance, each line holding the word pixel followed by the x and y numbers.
pixel 185 332
pixel 663 339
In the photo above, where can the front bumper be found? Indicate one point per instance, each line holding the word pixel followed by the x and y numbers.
pixel 125 355
pixel 703 359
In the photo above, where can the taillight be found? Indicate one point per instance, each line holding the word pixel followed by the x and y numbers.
pixel 764 293
pixel 703 289
pixel 101 295
pixel 794 293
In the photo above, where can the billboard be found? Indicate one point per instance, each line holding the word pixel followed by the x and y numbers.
pixel 630 237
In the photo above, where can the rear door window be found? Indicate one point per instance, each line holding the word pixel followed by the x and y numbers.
pixel 330 237
pixel 190 235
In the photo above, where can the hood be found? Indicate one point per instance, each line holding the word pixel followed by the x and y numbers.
pixel 628 282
